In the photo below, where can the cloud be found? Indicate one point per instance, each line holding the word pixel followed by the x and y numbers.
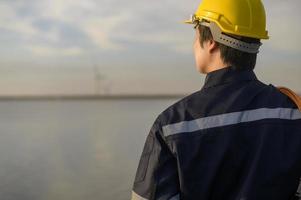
pixel 52 51
pixel 11 22
pixel 113 25
pixel 100 30
pixel 85 16
pixel 105 27
pixel 282 20
pixel 31 35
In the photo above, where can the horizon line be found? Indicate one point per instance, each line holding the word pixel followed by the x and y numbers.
pixel 89 97
pixel 92 96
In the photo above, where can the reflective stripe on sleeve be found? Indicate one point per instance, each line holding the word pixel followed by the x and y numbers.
pixel 136 196
pixel 231 119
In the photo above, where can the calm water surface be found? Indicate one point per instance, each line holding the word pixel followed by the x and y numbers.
pixel 73 150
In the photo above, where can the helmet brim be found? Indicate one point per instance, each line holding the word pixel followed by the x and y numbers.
pixel 188 21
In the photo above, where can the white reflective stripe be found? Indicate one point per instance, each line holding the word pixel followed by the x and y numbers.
pixel 231 119
pixel 136 196
pixel 298 193
pixel 177 197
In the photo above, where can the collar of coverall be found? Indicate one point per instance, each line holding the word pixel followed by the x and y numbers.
pixel 228 75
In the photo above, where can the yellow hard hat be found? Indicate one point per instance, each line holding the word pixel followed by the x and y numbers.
pixel 238 17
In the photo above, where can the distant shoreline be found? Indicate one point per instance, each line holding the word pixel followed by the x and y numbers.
pixel 90 97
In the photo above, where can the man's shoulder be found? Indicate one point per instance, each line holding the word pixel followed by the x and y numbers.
pixel 178 111
pixel 204 103
pixel 274 98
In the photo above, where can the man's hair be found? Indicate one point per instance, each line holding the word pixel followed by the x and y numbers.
pixel 238 60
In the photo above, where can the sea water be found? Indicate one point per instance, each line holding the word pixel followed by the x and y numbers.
pixel 73 149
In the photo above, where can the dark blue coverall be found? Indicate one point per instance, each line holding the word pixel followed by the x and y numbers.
pixel 235 139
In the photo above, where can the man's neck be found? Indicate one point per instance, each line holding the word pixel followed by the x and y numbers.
pixel 216 66
pixel 215 62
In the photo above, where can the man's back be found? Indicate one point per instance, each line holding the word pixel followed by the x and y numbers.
pixel 236 138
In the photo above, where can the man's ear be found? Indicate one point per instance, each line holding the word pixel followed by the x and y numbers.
pixel 212 46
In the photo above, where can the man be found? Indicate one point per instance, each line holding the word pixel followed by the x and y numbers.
pixel 236 138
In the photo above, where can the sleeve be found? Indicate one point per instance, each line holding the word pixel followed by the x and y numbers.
pixel 156 176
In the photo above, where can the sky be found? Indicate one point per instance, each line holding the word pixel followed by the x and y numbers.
pixel 125 47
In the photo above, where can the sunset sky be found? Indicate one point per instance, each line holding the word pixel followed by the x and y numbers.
pixel 133 46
